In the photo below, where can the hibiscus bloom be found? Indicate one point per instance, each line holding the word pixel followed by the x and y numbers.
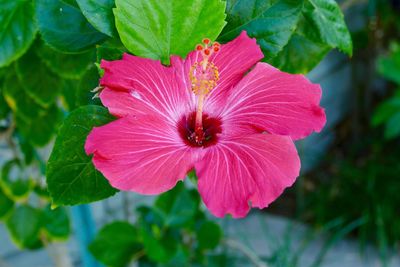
pixel 218 111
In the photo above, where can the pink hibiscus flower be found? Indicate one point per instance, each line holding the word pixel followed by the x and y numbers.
pixel 236 129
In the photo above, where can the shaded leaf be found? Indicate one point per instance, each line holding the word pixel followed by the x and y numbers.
pixel 271 22
pixel 71 176
pixel 389 67
pixel 24 225
pixel 99 14
pixel 6 204
pixel 209 235
pixel 67 66
pixel 115 244
pixel 17 29
pixel 392 128
pixel 37 80
pixel 63 26
pixel 56 223
pixel 177 206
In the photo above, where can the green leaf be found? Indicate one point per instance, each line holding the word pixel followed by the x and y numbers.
pixel 304 50
pixel 386 110
pixel 115 244
pixel 160 28
pixel 37 80
pixel 24 225
pixel 392 128
pixel 177 205
pixel 64 65
pixel 209 235
pixel 110 50
pixel 6 204
pixel 56 223
pixel 4 108
pixel 83 93
pixel 272 22
pixel 17 29
pixel 35 123
pixel 63 26
pixel 389 67
pixel 39 131
pixel 159 247
pixel 99 14
pixel 71 176
pixel 16 188
pixel 18 100
pixel 330 21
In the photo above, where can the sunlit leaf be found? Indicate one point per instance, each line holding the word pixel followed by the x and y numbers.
pixel 160 28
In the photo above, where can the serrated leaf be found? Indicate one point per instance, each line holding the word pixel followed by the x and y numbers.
pixel 71 176
pixel 56 223
pixel 304 50
pixel 6 204
pixel 330 21
pixel 160 28
pixel 272 22
pixel 17 29
pixel 37 80
pixel 64 65
pixel 115 244
pixel 99 14
pixel 24 225
pixel 63 26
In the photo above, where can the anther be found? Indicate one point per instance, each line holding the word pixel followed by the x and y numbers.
pixel 206 41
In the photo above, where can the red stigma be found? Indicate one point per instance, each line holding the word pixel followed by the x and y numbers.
pixel 207 52
pixel 216 49
pixel 216 44
pixel 199 47
pixel 206 41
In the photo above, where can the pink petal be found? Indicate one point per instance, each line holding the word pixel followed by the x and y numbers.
pixel 144 154
pixel 123 103
pixel 252 170
pixel 157 86
pixel 270 100
pixel 233 60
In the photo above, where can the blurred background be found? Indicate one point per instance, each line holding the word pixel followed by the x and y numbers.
pixel 343 211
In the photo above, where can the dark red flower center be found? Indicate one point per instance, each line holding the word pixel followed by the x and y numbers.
pixel 204 137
